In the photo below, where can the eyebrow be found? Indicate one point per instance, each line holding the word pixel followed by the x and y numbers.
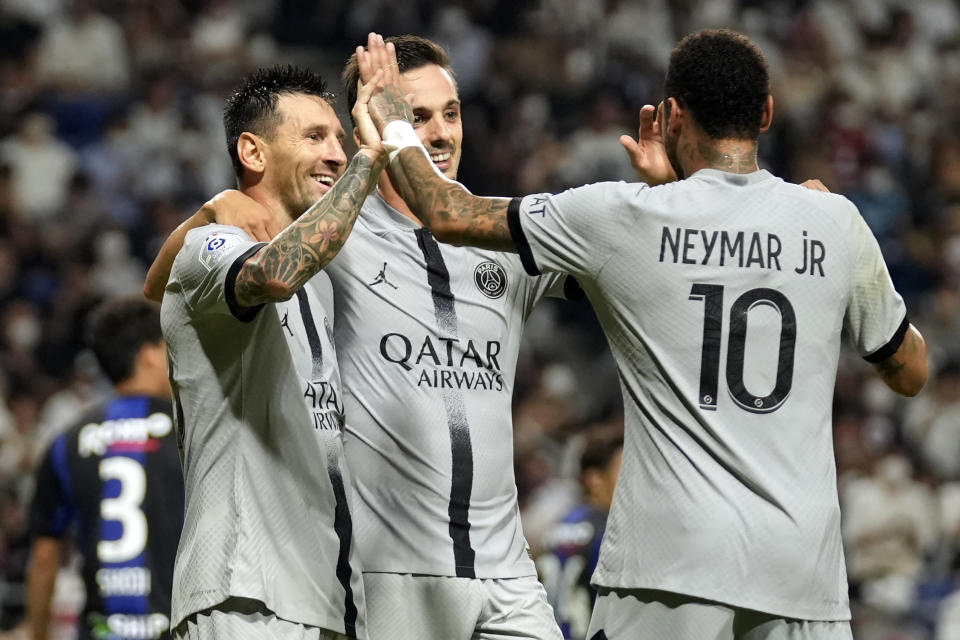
pixel 455 102
pixel 323 129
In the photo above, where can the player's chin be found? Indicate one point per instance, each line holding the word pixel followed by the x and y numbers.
pixel 448 168
pixel 321 188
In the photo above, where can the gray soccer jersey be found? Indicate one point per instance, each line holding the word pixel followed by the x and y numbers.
pixel 723 298
pixel 259 410
pixel 428 338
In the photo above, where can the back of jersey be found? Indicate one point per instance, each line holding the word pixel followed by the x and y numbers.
pixel 724 298
pixel 116 477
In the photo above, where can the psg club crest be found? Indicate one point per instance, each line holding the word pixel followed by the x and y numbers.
pixel 491 279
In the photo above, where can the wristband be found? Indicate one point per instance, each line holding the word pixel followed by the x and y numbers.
pixel 397 135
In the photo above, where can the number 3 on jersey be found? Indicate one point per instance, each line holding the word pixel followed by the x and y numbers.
pixel 712 297
pixel 125 509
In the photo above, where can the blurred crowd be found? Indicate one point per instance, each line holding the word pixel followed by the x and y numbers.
pixel 110 135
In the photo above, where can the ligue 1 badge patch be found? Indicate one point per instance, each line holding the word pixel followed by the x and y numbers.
pixel 214 246
pixel 491 279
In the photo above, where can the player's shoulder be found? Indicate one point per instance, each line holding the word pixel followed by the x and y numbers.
pixel 96 412
pixel 598 199
pixel 216 236
pixel 611 190
pixel 205 247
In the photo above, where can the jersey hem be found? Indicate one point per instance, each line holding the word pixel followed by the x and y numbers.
pixel 215 600
pixel 780 609
pixel 449 572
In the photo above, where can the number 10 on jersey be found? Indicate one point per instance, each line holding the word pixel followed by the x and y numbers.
pixel 712 297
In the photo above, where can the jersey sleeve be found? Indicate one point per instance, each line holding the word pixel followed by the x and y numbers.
pixel 207 266
pixel 876 316
pixel 574 232
pixel 52 510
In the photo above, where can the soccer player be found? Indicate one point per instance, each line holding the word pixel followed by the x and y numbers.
pixel 723 297
pixel 113 481
pixel 267 547
pixel 428 340
pixel 574 544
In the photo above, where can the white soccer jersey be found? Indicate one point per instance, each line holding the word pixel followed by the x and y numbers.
pixel 428 338
pixel 723 298
pixel 259 410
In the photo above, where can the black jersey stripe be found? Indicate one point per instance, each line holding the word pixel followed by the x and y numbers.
pixel 316 348
pixel 461 447
pixel 243 314
pixel 343 526
pixel 520 242
pixel 439 280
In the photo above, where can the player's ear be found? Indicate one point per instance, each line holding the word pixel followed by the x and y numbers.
pixel 356 137
pixel 673 116
pixel 767 116
pixel 252 152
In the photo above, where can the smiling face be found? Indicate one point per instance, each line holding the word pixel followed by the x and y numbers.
pixel 436 114
pixel 304 155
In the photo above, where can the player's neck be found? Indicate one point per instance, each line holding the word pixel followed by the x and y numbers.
pixel 730 155
pixel 272 202
pixel 392 198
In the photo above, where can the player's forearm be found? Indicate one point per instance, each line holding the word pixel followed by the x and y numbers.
pixel 906 370
pixel 308 245
pixel 447 208
pixel 41 578
pixel 159 272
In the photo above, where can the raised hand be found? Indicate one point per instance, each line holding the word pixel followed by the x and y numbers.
pixel 386 103
pixel 367 130
pixel 648 155
pixel 234 208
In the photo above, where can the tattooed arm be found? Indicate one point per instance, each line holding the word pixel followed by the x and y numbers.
pixel 447 208
pixel 906 370
pixel 310 242
pixel 256 220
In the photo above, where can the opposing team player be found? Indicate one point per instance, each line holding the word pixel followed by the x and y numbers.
pixel 428 340
pixel 723 297
pixel 113 481
pixel 267 547
pixel 574 543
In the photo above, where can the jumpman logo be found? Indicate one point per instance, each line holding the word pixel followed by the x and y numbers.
pixel 286 324
pixel 382 278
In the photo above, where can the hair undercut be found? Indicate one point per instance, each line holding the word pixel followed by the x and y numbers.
pixel 117 329
pixel 253 105
pixel 723 79
pixel 413 52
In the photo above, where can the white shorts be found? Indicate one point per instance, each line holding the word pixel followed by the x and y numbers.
pixel 646 614
pixel 401 606
pixel 245 619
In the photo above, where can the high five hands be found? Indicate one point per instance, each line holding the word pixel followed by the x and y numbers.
pixel 378 66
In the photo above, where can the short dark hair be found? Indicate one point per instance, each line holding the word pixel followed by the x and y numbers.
pixel 253 105
pixel 600 449
pixel 722 78
pixel 117 329
pixel 413 52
